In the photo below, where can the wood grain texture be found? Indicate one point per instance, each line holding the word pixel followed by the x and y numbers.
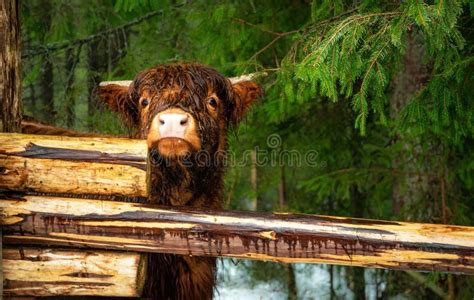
pixel 51 272
pixel 10 66
pixel 12 143
pixel 277 237
pixel 53 164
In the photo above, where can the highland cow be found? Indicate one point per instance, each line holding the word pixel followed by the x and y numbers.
pixel 182 110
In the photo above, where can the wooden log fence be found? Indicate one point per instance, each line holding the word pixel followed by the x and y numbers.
pixel 48 272
pixel 67 165
pixel 111 168
pixel 90 167
pixel 284 238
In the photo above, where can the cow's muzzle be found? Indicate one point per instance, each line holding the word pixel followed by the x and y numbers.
pixel 173 133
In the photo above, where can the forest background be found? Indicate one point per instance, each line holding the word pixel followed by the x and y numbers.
pixel 381 92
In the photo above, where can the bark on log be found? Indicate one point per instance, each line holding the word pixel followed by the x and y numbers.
pixel 278 237
pixel 53 272
pixel 54 164
pixel 10 71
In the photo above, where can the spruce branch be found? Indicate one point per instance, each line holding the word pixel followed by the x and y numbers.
pixel 336 35
pixel 279 35
pixel 373 62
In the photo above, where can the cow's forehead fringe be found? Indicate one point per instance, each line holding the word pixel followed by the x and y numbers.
pixel 190 79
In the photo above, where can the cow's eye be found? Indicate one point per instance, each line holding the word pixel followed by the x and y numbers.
pixel 212 102
pixel 145 102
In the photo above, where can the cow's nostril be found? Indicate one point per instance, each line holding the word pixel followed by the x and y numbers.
pixel 184 121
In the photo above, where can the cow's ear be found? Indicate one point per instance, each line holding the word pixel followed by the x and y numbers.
pixel 118 99
pixel 245 94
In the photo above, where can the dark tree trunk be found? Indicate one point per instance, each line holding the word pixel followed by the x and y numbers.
pixel 282 189
pixel 29 98
pixel 411 79
pixel 357 274
pixel 33 99
pixel 71 61
pixel 10 78
pixel 47 92
pixel 291 283
pixel 94 65
pixel 117 44
pixel 102 57
pixel 408 81
pixel 332 292
pixel 358 205
pixel 358 282
pixel 254 181
pixel 47 112
pixel 290 271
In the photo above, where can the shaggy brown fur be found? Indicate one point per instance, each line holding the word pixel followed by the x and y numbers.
pixel 179 175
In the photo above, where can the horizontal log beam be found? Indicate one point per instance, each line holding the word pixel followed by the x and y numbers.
pixel 73 165
pixel 276 237
pixel 53 272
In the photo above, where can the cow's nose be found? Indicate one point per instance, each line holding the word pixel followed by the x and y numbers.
pixel 173 124
pixel 173 119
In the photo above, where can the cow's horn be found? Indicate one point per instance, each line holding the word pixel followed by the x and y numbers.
pixel 245 77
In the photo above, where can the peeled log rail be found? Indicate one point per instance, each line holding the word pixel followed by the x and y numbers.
pixel 52 272
pixel 277 237
pixel 73 165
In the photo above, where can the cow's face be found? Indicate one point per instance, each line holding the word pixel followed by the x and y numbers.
pixel 181 109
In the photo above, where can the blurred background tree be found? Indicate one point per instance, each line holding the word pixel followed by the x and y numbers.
pixel 379 92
